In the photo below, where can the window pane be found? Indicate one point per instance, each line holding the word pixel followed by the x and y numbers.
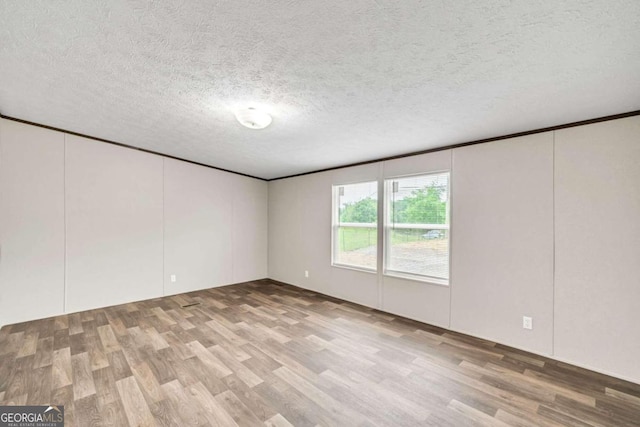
pixel 418 225
pixel 355 224
pixel 357 247
pixel 419 251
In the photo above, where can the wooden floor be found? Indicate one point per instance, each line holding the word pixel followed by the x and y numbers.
pixel 267 353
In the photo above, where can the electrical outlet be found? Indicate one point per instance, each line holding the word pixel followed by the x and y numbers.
pixel 306 273
pixel 173 278
pixel 527 322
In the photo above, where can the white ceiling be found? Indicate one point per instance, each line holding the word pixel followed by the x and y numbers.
pixel 345 81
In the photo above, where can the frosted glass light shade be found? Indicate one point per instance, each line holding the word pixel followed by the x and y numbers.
pixel 253 119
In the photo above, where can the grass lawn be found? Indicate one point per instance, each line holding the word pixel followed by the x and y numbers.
pixel 351 238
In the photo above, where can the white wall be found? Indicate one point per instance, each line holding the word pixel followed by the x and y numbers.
pixel 113 224
pixel 426 302
pixel 300 236
pixel 597 290
pixel 198 217
pixel 503 238
pixel 363 287
pixel 300 239
pixel 502 263
pixel 250 225
pixel 285 236
pixel 215 227
pixel 31 222
pixel 129 220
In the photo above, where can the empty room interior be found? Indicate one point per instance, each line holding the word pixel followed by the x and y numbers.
pixel 320 213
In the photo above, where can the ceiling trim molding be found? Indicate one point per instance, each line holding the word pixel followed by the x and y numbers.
pixel 119 144
pixel 479 141
pixel 399 156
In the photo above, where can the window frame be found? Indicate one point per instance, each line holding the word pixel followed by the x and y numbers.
pixel 388 225
pixel 335 226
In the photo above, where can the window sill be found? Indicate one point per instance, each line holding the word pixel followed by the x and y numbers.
pixel 355 268
pixel 416 278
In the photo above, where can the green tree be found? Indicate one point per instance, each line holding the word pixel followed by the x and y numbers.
pixel 423 206
pixel 365 210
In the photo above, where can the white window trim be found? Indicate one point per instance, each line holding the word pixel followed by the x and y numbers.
pixel 357 224
pixel 416 278
pixel 420 226
pixel 354 267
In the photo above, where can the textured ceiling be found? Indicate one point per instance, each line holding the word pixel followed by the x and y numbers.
pixel 345 81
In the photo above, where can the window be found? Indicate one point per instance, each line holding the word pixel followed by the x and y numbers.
pixel 417 227
pixel 355 225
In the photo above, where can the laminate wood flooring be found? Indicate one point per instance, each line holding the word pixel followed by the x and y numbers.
pixel 266 353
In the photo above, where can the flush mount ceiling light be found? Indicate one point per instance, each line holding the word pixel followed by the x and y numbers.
pixel 253 119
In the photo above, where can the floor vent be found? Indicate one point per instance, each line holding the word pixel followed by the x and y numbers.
pixel 190 305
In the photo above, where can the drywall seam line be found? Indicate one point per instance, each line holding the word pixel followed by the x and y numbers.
pixel 64 216
pixel 451 231
pixel 380 234
pixel 553 250
pixel 233 230
pixel 164 273
pixel 268 232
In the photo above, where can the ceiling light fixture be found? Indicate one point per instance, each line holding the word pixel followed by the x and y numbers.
pixel 253 119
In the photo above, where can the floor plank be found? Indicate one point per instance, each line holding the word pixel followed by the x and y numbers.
pixel 135 407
